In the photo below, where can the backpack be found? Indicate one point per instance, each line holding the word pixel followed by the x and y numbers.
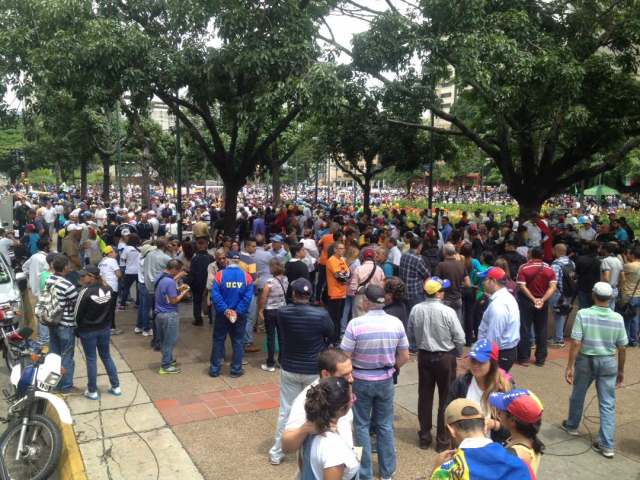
pixel 569 281
pixel 48 309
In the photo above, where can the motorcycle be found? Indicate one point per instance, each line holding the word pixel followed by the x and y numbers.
pixel 10 336
pixel 30 448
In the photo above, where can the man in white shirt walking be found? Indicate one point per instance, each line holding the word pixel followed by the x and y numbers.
pixel 33 267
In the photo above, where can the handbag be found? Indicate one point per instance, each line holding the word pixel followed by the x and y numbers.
pixel 629 310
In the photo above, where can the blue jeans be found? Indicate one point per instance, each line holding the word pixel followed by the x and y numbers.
pixel 374 404
pixel 603 370
pixel 346 314
pixel 43 334
pixel 633 324
pixel 98 340
pixel 143 310
pixel 236 331
pixel 251 319
pixel 62 341
pixel 167 327
pixel 559 320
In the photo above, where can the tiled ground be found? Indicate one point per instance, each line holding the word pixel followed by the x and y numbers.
pixel 219 404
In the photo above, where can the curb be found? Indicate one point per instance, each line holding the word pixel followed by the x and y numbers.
pixel 71 466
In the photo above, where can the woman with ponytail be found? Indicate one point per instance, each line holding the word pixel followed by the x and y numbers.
pixel 521 414
pixel 330 456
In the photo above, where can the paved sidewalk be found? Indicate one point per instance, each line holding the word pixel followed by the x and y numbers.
pixel 222 428
pixel 125 437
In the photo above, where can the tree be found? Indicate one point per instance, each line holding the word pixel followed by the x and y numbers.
pixel 244 70
pixel 551 87
pixel 357 135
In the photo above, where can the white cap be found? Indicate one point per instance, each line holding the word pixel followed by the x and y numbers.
pixel 73 227
pixel 125 232
pixel 603 289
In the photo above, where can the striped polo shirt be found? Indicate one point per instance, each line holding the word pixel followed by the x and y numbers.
pixel 372 340
pixel 601 331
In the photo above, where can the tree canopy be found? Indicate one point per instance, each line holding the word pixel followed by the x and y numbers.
pixel 550 87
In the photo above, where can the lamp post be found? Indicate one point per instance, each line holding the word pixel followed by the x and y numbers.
pixel 431 160
pixel 178 173
pixel 119 156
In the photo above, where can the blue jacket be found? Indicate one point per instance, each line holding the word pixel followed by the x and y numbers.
pixel 232 289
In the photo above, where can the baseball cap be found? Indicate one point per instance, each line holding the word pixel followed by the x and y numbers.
pixel 125 232
pixel 73 227
pixel 434 284
pixel 89 270
pixel 462 409
pixel 603 289
pixel 107 250
pixel 276 238
pixel 369 254
pixel 302 286
pixel 522 404
pixel 483 351
pixel 374 293
pixel 494 273
pixel 233 255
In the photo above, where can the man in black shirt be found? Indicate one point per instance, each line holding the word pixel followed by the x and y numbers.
pixel 296 267
pixel 145 229
pixel 513 258
pixel 198 277
pixel 588 273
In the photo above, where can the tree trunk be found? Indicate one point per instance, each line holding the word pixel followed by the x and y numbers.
pixel 408 186
pixel 529 207
pixel 275 175
pixel 231 191
pixel 84 167
pixel 366 197
pixel 144 167
pixel 106 177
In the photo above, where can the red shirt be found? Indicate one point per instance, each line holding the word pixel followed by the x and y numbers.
pixel 537 276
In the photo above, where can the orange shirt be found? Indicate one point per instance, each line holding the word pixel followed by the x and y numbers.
pixel 324 244
pixel 335 288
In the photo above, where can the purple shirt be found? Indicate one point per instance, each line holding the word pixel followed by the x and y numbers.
pixel 373 340
pixel 165 288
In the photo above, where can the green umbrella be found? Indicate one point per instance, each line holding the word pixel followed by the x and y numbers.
pixel 600 191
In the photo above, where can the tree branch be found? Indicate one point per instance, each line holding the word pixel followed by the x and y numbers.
pixel 342 167
pixel 467 132
pixel 421 126
pixel 275 133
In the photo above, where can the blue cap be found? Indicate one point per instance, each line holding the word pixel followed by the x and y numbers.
pixel 277 238
pixel 233 255
pixel 483 351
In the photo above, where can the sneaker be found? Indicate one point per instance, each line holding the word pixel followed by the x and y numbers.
pixel 571 431
pixel 275 460
pixel 147 333
pixel 245 362
pixel 267 368
pixel 115 391
pixel 91 395
pixel 556 344
pixel 236 374
pixel 214 374
pixel 169 370
pixel 137 331
pixel 604 451
pixel 116 331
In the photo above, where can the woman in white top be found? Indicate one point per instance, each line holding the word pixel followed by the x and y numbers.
pixel 331 457
pixel 273 297
pixel 131 259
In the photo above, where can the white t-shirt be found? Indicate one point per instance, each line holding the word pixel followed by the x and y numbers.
pixel 131 257
pixel 394 255
pixel 331 450
pixel 108 267
pixel 49 215
pixel 101 216
pixel 474 392
pixel 613 265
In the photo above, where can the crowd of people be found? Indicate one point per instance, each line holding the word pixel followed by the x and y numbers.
pixel 345 300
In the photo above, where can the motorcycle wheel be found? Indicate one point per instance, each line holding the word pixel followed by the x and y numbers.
pixel 9 357
pixel 41 453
